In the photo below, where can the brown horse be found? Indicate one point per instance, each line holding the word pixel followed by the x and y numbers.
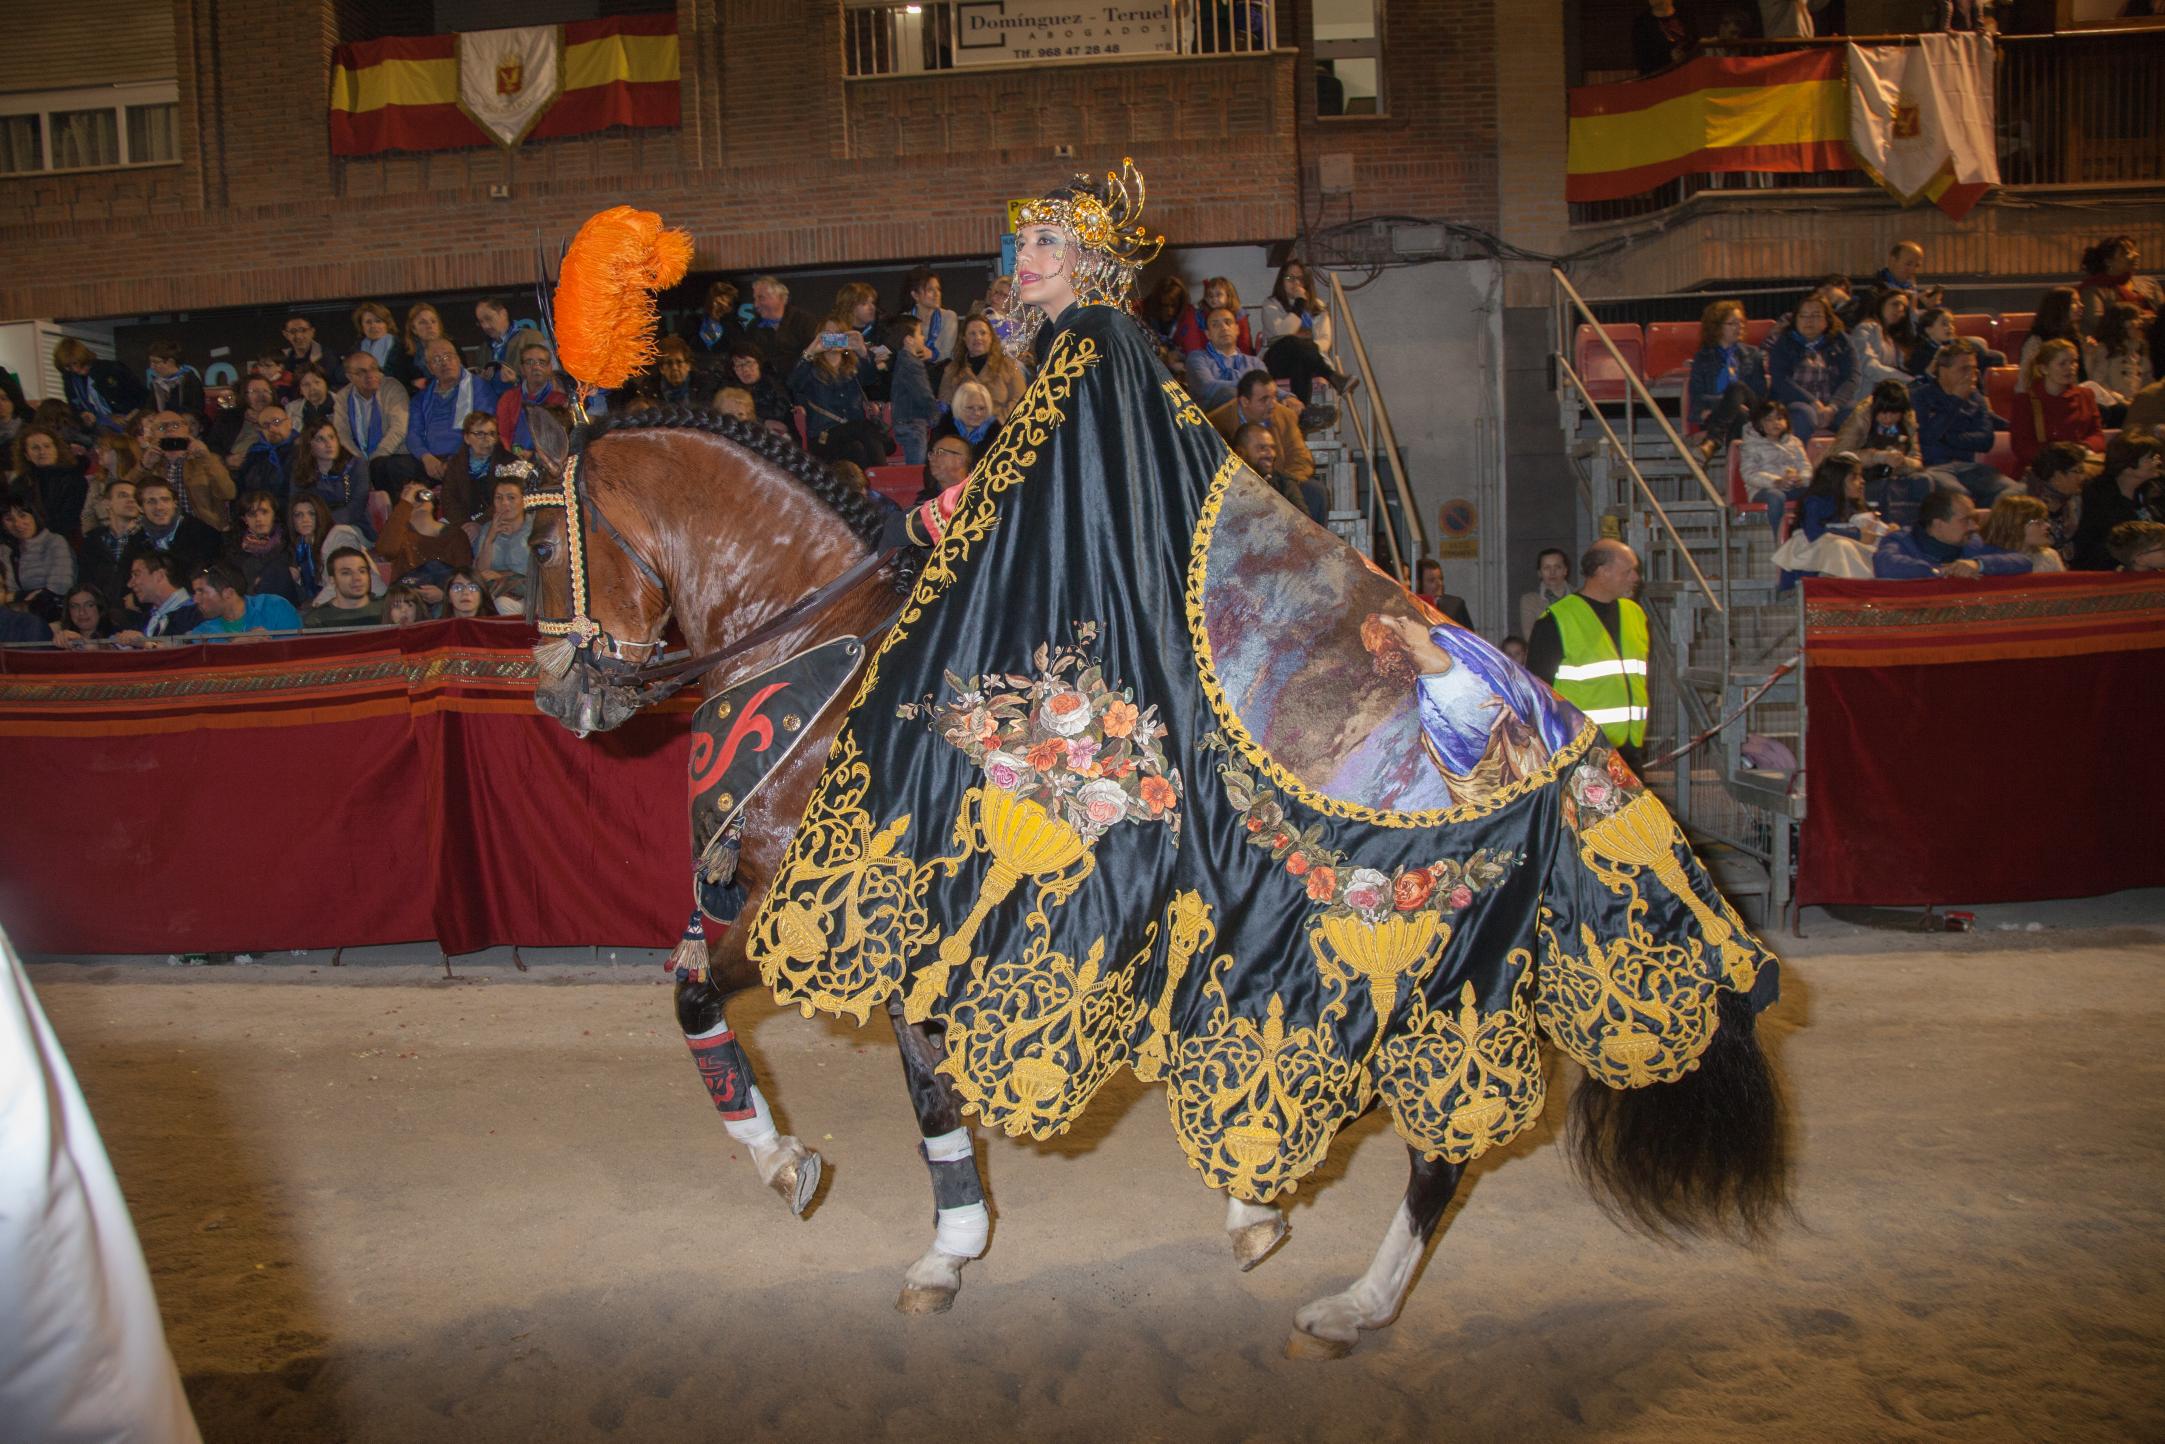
pixel 724 528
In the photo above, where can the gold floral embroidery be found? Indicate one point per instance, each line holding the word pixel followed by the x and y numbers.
pixel 1633 1010
pixel 1185 411
pixel 1031 1040
pixel 840 940
pixel 1188 932
pixel 1459 1083
pixel 1642 835
pixel 1244 741
pixel 1382 953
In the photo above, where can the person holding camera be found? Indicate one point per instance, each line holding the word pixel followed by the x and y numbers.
pixel 825 384
pixel 1300 349
pixel 422 548
pixel 201 485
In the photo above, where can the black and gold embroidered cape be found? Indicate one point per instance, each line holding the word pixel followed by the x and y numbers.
pixel 1045 825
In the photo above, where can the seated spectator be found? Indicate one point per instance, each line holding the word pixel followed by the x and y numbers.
pixel 1905 261
pixel 858 305
pixel 500 555
pixel 222 596
pixel 11 418
pixel 825 384
pixel 2117 361
pixel 234 431
pixel 438 415
pixel 537 386
pixel 1880 343
pixel 1836 528
pixel 351 604
pixel 910 397
pixel 1297 342
pixel 971 418
pixel 1935 328
pixel 921 298
pixel 2058 318
pixel 2138 546
pixel 1771 462
pixel 378 338
pixel 403 606
pixel 1881 431
pixel 1552 571
pixel 271 367
pixel 770 399
pixel 2146 413
pixel 1214 371
pixel 1254 444
pixel 1166 314
pixel 2126 489
pixel 187 539
pixel 1943 542
pixel 500 338
pixel 41 560
pixel 2055 406
pixel 85 617
pixel 2056 480
pixel 117 456
pixel 670 383
pixel 735 403
pixel 463 495
pixel 1428 586
pixel 420 545
pixel 1728 378
pixel 371 416
pixel 779 331
pixel 167 607
pixel 1954 424
pixel 313 404
pixel 47 473
pixel 106 547
pixel 984 361
pixel 302 350
pixel 1811 369
pixel 1256 400
pixel 103 395
pixel 715 327
pixel 270 462
pixel 308 533
pixel 424 325
pixel 947 466
pixel 331 473
pixel 2018 523
pixel 202 487
pixel 1662 36
pixel 257 549
pixel 467 597
pixel 1193 333
pixel 2108 275
pixel 170 385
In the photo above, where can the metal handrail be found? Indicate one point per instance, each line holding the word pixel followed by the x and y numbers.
pixel 1631 378
pixel 1631 469
pixel 1376 509
pixel 1386 436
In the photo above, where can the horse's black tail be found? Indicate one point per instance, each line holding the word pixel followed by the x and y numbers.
pixel 1705 1155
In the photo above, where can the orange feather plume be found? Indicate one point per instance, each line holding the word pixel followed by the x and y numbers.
pixel 605 316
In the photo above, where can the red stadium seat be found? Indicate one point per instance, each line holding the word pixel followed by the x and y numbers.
pixel 1669 348
pixel 1757 333
pixel 1979 326
pixel 2000 391
pixel 1598 369
pixel 2001 458
pixel 899 484
pixel 2014 330
pixel 1818 447
pixel 1737 498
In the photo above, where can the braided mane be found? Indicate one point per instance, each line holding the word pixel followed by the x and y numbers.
pixel 853 507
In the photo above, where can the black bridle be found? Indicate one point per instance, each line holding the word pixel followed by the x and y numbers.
pixel 654 678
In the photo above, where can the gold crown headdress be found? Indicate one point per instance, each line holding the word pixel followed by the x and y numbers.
pixel 1111 226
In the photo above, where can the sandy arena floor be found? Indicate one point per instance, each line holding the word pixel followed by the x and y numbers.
pixel 380 1207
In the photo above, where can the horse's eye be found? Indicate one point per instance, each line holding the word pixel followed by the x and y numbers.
pixel 543 551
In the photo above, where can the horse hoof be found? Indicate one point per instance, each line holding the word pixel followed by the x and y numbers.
pixel 797 1180
pixel 1253 1243
pixel 1300 1344
pixel 920 1299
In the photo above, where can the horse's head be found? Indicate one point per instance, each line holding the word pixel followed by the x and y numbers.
pixel 596 635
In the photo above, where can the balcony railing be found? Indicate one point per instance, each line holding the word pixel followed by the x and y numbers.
pixel 950 35
pixel 2083 108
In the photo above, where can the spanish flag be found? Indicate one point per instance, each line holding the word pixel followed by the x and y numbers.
pixel 1786 112
pixel 447 92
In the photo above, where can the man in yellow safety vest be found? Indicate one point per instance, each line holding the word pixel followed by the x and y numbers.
pixel 1591 647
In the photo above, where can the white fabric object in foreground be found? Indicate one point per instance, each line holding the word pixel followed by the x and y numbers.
pixel 1914 109
pixel 963 1231
pixel 83 1358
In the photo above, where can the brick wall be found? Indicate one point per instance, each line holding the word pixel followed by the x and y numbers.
pixel 86 42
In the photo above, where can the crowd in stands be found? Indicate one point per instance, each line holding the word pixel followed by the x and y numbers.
pixel 1866 426
pixel 378 477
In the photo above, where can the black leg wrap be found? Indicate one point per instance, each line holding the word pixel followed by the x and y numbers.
pixel 955 1184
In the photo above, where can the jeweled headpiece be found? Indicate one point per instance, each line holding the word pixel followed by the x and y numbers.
pixel 1106 222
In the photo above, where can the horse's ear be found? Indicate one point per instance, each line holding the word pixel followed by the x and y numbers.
pixel 551 445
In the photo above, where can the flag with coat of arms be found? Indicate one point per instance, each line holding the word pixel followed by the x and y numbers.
pixel 1921 118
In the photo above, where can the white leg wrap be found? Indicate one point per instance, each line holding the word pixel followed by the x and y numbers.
pixel 757 1131
pixel 963 1231
pixel 950 1147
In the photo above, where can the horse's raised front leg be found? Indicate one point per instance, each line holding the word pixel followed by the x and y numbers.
pixel 963 1223
pixel 1330 1327
pixel 1255 1229
pixel 784 1164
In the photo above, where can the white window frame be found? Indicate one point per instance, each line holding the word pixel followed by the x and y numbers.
pixel 116 98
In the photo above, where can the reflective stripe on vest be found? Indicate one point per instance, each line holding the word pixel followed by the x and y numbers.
pixel 1606 684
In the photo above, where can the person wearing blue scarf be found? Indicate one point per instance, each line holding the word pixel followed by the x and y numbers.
pixel 1728 377
pixel 710 330
pixel 1812 370
pixel 102 394
pixel 269 465
pixel 1215 370
pixel 497 330
pixel 1943 542
pixel 171 385
pixel 435 421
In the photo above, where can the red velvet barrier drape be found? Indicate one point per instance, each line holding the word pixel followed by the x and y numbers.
pixel 341 790
pixel 1986 740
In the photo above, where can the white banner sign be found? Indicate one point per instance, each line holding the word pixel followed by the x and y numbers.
pixel 1917 110
pixel 507 78
pixel 1010 32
